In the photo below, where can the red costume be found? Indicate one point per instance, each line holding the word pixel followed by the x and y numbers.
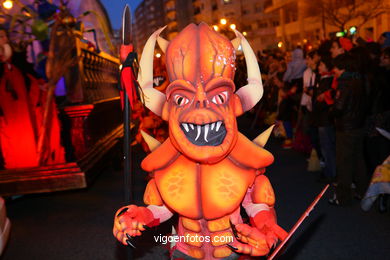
pixel 17 132
pixel 206 169
pixel 21 117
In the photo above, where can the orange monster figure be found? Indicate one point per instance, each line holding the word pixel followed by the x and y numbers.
pixel 206 169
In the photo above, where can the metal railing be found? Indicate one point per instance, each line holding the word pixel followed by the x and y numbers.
pixel 94 78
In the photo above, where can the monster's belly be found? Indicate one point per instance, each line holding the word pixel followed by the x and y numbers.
pixel 203 191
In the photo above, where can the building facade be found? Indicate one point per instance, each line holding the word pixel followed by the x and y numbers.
pixel 247 15
pixel 149 16
pixel 303 21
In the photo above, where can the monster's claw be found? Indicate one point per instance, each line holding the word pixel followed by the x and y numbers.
pixel 234 230
pixel 130 244
pixel 129 238
pixel 146 227
pixel 121 212
pixel 232 247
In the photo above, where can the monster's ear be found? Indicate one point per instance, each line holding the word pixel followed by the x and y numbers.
pixel 237 105
pixel 165 112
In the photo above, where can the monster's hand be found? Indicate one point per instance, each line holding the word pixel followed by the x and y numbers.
pixel 258 239
pixel 265 221
pixel 250 241
pixel 130 221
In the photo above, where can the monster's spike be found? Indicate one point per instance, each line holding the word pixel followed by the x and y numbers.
pixel 150 141
pixel 264 136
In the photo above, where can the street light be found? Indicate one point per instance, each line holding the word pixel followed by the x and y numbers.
pixel 233 26
pixel 223 21
pixel 158 55
pixel 8 4
pixel 216 28
pixel 244 33
pixel 280 44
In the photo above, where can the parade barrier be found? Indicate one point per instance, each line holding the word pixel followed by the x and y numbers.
pixel 94 115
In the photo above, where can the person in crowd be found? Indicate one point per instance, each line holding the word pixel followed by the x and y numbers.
pixel 286 108
pixel 349 110
pixel 295 69
pixel 309 80
pixel 378 147
pixel 384 40
pixel 293 81
pixel 322 119
pixel 340 46
pixel 271 89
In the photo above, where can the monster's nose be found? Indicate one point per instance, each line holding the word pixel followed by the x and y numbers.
pixel 202 103
pixel 201 100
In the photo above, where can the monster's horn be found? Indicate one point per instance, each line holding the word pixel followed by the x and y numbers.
pixel 162 43
pixel 154 99
pixel 251 93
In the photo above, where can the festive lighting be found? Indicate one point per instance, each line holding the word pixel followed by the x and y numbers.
pixel 305 41
pixel 215 27
pixel 233 26
pixel 8 4
pixel 244 33
pixel 340 34
pixel 352 30
pixel 158 55
pixel 280 44
pixel 223 21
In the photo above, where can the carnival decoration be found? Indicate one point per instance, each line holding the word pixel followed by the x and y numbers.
pixel 206 169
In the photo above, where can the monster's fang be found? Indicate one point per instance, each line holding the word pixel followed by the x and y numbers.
pixel 213 133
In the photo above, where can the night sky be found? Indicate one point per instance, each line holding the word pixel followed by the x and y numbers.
pixel 115 7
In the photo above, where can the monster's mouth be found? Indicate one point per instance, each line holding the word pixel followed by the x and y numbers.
pixel 211 134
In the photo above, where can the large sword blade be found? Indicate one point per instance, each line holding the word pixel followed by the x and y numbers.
pixel 126 26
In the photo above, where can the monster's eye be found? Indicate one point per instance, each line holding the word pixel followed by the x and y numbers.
pixel 180 100
pixel 220 98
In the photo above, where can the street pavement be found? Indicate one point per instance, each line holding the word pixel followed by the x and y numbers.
pixel 77 224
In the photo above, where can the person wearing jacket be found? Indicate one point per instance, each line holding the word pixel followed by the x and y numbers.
pixel 349 110
pixel 322 119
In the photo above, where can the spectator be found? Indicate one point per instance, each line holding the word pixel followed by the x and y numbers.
pixel 295 69
pixel 292 88
pixel 309 80
pixel 340 46
pixel 384 40
pixel 349 111
pixel 321 118
pixel 378 147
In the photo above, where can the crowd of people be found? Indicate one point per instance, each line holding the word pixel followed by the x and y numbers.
pixel 334 99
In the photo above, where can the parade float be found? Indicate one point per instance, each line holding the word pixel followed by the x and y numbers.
pixel 46 145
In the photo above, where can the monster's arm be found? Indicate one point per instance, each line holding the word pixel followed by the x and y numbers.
pixel 259 205
pixel 152 198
